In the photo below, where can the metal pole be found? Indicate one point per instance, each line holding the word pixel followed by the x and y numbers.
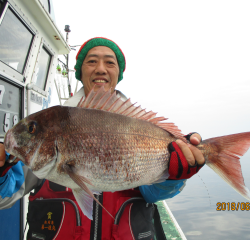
pixel 67 30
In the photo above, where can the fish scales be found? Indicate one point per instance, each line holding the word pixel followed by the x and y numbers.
pixel 111 154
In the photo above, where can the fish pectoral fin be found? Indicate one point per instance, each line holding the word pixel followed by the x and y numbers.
pixel 79 180
pixel 83 201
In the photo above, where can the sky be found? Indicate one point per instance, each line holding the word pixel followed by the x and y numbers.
pixel 188 61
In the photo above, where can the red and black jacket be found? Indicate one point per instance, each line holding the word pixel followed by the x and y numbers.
pixel 54 214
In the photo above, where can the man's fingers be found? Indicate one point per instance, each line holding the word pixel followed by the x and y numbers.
pixel 197 154
pixel 191 153
pixel 2 155
pixel 186 152
pixel 195 139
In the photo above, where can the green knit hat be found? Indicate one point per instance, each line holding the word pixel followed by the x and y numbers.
pixel 99 41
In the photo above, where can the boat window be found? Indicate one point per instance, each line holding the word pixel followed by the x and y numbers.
pixel 42 68
pixel 2 6
pixel 15 39
pixel 46 4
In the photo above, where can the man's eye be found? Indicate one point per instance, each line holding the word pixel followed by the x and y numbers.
pixel 92 61
pixel 109 62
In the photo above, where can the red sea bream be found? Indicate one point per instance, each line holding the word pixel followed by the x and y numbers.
pixel 105 144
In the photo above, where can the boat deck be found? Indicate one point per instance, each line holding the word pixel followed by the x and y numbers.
pixel 170 226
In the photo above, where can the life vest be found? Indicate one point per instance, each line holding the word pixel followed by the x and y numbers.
pixel 53 213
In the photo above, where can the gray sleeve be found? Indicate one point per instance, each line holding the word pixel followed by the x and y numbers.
pixel 31 182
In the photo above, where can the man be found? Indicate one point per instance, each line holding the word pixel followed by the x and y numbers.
pixel 100 62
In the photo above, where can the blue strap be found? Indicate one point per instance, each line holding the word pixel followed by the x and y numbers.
pixel 12 181
pixel 161 191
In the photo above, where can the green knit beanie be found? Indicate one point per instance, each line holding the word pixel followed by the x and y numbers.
pixel 99 41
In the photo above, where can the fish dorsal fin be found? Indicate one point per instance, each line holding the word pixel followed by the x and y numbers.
pixel 107 101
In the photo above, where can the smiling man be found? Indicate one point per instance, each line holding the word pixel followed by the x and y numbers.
pixel 99 68
pixel 99 62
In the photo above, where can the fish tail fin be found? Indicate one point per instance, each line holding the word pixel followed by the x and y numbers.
pixel 224 159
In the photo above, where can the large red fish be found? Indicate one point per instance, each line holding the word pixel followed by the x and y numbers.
pixel 105 144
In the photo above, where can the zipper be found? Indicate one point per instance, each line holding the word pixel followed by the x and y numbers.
pixel 78 219
pixel 96 219
pixel 96 224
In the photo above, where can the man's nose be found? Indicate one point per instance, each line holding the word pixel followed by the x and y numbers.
pixel 100 68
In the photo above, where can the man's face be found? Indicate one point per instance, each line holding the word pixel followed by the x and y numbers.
pixel 100 68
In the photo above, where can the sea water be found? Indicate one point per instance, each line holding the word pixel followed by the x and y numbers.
pixel 199 211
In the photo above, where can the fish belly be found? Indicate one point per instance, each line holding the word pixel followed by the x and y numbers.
pixel 114 161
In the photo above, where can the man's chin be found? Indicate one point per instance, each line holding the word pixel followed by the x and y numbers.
pixel 99 85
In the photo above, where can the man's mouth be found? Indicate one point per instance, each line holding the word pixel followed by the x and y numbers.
pixel 100 81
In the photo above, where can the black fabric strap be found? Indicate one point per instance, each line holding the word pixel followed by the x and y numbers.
pixel 56 187
pixel 6 165
pixel 159 232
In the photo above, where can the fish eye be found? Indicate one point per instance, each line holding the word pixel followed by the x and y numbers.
pixel 32 127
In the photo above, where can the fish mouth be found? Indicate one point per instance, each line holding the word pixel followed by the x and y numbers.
pixel 9 145
pixel 9 141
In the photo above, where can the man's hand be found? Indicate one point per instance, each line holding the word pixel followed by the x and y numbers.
pixel 185 159
pixel 190 152
pixel 2 155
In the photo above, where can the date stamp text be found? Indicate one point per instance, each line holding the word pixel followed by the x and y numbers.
pixel 239 206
